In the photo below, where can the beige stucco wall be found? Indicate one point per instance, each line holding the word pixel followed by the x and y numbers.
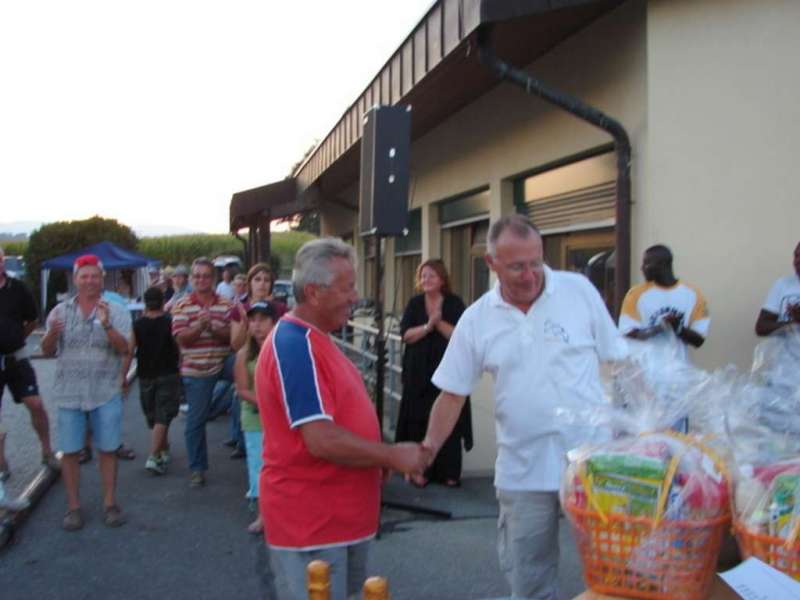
pixel 505 133
pixel 721 153
pixel 707 90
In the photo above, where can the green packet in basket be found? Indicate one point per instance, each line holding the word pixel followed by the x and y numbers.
pixel 626 484
pixel 630 465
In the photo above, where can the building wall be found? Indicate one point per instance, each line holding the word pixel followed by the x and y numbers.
pixel 505 133
pixel 707 91
pixel 723 117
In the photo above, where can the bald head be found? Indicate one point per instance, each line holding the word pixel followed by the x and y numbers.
pixel 515 225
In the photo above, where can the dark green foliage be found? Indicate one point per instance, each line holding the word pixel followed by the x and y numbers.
pixel 55 239
pixel 308 222
pixel 175 249
pixel 15 248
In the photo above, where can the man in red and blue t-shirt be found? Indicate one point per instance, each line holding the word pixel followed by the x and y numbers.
pixel 323 455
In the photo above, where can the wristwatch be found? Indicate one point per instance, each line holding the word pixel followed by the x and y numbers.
pixel 107 326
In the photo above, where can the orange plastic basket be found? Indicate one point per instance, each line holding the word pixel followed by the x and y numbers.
pixel 625 556
pixel 769 549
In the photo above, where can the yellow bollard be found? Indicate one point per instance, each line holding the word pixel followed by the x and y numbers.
pixel 376 588
pixel 318 580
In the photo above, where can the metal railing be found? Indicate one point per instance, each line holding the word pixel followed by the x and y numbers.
pixel 357 341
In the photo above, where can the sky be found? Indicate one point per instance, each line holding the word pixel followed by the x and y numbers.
pixel 154 112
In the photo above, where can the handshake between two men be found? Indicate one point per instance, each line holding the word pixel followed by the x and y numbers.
pixel 328 441
pixel 411 459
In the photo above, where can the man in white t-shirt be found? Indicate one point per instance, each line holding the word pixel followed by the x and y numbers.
pixel 782 306
pixel 664 300
pixel 541 335
pixel 225 287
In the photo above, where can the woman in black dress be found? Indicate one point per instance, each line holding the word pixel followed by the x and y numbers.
pixel 427 324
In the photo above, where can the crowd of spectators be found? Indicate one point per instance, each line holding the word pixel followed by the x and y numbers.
pixel 301 414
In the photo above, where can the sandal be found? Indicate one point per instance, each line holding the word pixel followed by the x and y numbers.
pixel 73 520
pixel 125 453
pixel 113 516
pixel 256 527
pixel 84 455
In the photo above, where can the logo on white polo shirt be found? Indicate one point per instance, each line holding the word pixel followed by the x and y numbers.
pixel 553 331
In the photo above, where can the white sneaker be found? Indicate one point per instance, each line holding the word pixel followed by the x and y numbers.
pixel 154 466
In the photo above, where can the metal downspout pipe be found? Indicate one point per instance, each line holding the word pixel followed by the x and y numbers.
pixel 593 116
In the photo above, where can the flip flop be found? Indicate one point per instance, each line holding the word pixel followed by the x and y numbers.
pixel 125 453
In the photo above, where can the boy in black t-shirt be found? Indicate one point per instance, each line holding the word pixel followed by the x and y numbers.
pixel 159 382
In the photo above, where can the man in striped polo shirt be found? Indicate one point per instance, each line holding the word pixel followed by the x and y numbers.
pixel 201 326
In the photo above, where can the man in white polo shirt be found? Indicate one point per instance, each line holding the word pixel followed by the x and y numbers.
pixel 541 334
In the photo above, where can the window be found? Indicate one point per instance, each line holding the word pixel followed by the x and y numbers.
pixel 574 206
pixel 408 256
pixel 405 280
pixel 465 224
pixel 463 251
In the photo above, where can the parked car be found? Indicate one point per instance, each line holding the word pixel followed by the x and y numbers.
pixel 227 260
pixel 15 267
pixel 283 290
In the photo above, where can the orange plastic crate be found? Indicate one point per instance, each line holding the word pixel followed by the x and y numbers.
pixel 625 556
pixel 769 549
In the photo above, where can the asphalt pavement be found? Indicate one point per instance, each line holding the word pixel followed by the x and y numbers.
pixel 183 543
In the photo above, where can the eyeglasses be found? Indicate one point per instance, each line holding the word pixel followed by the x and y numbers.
pixel 520 267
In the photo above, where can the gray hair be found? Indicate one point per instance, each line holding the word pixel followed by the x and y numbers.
pixel 203 262
pixel 312 263
pixel 520 225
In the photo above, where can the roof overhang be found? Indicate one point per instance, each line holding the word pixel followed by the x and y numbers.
pixel 436 70
pixel 277 200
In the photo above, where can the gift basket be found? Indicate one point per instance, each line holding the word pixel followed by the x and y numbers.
pixel 650 507
pixel 763 429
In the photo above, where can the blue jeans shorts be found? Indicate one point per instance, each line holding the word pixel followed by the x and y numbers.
pixel 105 423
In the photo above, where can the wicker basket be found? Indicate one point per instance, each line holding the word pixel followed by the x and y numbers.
pixel 769 549
pixel 626 556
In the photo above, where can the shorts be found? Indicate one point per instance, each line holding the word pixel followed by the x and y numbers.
pixel 160 397
pixel 19 376
pixel 105 422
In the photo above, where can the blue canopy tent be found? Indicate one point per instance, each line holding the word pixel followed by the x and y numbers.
pixel 114 259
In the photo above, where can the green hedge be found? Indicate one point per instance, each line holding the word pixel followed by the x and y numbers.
pixel 175 249
pixel 15 248
pixel 61 237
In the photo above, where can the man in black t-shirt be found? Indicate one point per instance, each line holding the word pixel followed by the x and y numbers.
pixel 17 322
